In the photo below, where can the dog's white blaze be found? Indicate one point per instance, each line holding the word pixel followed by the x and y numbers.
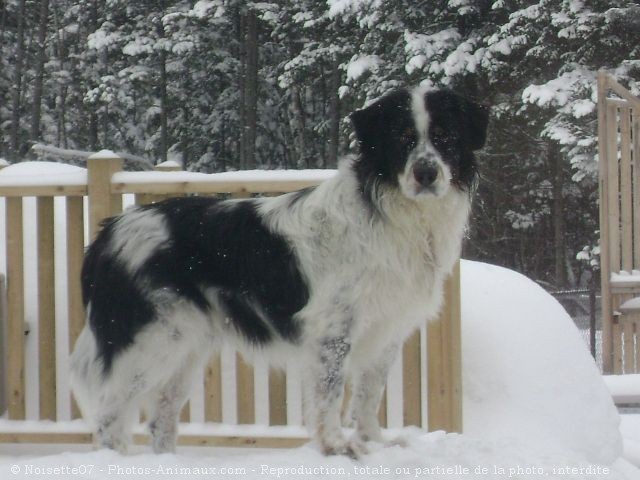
pixel 138 235
pixel 420 114
pixel 424 149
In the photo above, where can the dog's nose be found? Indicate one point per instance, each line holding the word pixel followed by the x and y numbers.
pixel 425 173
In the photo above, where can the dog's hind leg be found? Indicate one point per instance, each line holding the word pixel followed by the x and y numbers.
pixel 115 415
pixel 165 403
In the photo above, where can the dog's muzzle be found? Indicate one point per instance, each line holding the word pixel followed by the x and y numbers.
pixel 425 173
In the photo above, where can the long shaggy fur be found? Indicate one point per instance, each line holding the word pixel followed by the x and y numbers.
pixel 337 276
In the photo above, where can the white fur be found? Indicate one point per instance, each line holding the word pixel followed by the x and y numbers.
pixel 139 234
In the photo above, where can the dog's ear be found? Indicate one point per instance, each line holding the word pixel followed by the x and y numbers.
pixel 366 123
pixel 475 119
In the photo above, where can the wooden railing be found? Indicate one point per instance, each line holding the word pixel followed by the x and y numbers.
pixel 233 390
pixel 619 147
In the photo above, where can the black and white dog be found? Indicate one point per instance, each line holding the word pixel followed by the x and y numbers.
pixel 337 276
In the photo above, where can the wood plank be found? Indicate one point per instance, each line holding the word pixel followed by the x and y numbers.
pixel 213 390
pixel 15 312
pixel 143 439
pixel 147 198
pixel 245 391
pixel 75 255
pixel 43 190
pixel 613 84
pixel 444 367
pixel 103 203
pixel 635 128
pixel 382 411
pixel 603 192
pixel 626 199
pixel 46 310
pixel 411 381
pixel 628 347
pixel 617 348
pixel 636 331
pixel 613 220
pixel 277 397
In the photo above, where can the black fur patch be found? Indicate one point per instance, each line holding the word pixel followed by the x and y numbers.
pixel 457 127
pixel 213 244
pixel 386 134
pixel 118 307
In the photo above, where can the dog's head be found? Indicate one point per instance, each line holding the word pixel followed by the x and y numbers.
pixel 420 141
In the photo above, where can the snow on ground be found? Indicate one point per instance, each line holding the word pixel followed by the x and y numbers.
pixel 534 406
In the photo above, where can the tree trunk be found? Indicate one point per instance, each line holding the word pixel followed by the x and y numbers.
pixel 93 115
pixel 39 79
pixel 334 116
pixel 296 123
pixel 17 86
pixel 164 134
pixel 251 90
pixel 559 225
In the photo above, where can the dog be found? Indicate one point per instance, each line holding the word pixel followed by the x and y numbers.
pixel 336 276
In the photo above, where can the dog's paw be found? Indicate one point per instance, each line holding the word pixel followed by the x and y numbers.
pixel 352 449
pixel 399 441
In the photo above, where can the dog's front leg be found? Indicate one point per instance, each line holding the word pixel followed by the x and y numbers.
pixel 367 388
pixel 328 392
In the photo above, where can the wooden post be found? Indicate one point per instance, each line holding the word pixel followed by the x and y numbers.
pixel 245 391
pixel 411 381
pixel 75 254
pixel 444 365
pixel 605 265
pixel 277 397
pixel 15 317
pixel 46 310
pixel 102 203
pixel 213 390
pixel 3 346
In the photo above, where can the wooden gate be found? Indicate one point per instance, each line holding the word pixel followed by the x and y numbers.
pixel 619 169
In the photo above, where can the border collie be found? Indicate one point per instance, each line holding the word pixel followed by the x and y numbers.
pixel 338 276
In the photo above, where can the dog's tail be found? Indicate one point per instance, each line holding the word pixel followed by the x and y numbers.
pixel 86 374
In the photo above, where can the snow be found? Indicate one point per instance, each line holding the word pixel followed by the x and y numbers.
pixel 42 173
pixel 238 176
pixel 624 388
pixel 630 428
pixel 104 154
pixel 535 406
pixel 630 305
pixel 360 65
pixel 626 277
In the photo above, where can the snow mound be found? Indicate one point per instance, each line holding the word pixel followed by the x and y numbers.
pixel 527 375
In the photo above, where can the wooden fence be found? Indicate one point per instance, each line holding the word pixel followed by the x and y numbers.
pixel 619 147
pixel 425 388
